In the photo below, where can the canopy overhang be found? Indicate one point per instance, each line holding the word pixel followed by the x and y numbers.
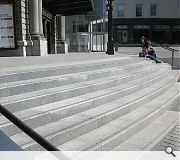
pixel 68 7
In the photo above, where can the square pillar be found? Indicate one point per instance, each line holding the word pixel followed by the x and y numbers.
pixel 39 46
pixel 61 45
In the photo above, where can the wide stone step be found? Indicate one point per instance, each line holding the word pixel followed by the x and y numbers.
pixel 150 135
pixel 61 131
pixel 37 98
pixel 114 133
pixel 52 112
pixel 33 73
pixel 19 87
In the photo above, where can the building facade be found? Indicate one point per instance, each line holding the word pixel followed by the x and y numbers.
pixel 84 34
pixel 38 27
pixel 158 20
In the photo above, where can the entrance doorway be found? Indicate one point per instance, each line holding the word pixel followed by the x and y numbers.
pixel 49 31
pixel 122 36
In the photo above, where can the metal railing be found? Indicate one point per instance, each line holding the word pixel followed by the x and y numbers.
pixel 30 132
pixel 169 49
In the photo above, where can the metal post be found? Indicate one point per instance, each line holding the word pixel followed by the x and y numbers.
pixel 172 58
pixel 110 49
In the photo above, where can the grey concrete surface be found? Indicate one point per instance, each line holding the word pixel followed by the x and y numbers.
pixel 56 111
pixel 146 138
pixel 26 62
pixel 94 112
pixel 20 87
pixel 109 91
pixel 56 59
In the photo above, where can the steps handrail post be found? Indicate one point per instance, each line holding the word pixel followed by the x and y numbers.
pixel 172 58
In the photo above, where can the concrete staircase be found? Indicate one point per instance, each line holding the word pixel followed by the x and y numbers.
pixel 95 105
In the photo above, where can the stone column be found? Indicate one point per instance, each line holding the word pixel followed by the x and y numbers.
pixel 28 36
pixel 61 46
pixel 40 19
pixel 53 50
pixel 39 47
pixel 34 18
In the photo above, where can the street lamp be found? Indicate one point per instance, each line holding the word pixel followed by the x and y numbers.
pixel 110 46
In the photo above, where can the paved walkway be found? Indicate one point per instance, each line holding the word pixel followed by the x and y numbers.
pixel 172 140
pixel 7 63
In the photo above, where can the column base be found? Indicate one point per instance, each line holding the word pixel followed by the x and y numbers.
pixel 21 50
pixel 61 47
pixel 39 47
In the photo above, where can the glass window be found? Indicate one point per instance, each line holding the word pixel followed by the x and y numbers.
pixel 139 10
pixel 120 10
pixel 153 10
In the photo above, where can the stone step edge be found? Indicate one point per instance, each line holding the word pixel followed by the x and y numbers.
pixel 152 145
pixel 63 79
pixel 151 126
pixel 147 95
pixel 149 118
pixel 72 86
pixel 99 116
pixel 164 73
pixel 22 101
pixel 19 76
pixel 57 65
pixel 57 77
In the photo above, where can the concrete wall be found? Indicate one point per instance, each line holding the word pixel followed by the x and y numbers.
pixel 165 8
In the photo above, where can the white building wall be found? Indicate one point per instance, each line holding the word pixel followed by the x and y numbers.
pixel 165 8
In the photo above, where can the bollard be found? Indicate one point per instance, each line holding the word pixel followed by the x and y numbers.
pixel 116 46
pixel 172 63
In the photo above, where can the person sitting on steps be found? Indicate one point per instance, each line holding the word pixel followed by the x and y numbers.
pixel 144 51
pixel 149 52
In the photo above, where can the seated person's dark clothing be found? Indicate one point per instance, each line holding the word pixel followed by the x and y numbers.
pixel 152 55
pixel 151 52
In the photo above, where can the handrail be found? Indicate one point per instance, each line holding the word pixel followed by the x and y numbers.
pixel 30 132
pixel 169 49
pixel 165 47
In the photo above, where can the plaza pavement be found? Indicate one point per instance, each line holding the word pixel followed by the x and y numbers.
pixel 74 57
pixel 7 63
